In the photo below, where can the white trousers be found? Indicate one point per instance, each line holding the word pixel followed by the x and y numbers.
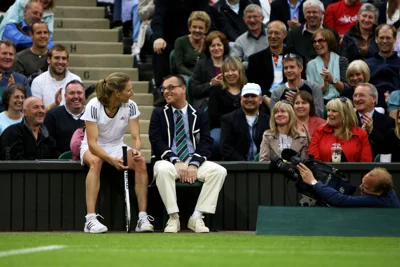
pixel 210 173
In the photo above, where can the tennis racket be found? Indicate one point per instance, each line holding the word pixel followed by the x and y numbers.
pixel 126 188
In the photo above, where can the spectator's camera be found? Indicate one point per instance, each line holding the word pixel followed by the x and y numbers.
pixel 323 172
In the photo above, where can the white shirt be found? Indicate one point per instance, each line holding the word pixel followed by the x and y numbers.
pixel 110 130
pixel 45 87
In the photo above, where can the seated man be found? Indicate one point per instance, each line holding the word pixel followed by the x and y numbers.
pixel 289 12
pixel 292 69
pixel 376 190
pixel 253 40
pixel 62 121
pixel 50 85
pixel 181 143
pixel 32 61
pixel 28 140
pixel 242 130
pixel 7 76
pixel 19 32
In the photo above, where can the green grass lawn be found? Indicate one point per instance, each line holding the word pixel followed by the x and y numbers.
pixel 187 249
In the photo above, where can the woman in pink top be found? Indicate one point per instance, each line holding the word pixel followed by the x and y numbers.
pixel 304 109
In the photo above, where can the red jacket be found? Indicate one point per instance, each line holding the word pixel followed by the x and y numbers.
pixel 357 149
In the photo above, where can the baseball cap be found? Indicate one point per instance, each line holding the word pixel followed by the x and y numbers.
pixel 251 88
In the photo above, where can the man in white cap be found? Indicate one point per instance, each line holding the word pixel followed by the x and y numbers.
pixel 242 130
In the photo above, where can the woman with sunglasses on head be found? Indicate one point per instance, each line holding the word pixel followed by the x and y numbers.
pixel 341 128
pixel 391 147
pixel 307 121
pixel 282 133
pixel 328 69
pixel 207 72
pixel 226 98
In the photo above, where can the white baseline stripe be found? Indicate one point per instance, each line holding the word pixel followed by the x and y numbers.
pixel 29 250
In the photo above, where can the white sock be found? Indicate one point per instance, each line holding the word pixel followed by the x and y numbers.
pixel 90 216
pixel 142 214
pixel 196 214
pixel 174 215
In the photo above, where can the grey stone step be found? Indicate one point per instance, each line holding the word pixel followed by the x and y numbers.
pixel 77 47
pixel 138 86
pixel 76 3
pixel 89 73
pixel 80 23
pixel 143 99
pixel 144 137
pixel 145 112
pixel 90 12
pixel 101 61
pixel 144 127
pixel 89 35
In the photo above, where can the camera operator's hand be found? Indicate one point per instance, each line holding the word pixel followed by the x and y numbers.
pixel 306 174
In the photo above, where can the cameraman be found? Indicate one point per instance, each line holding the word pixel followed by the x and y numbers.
pixel 376 190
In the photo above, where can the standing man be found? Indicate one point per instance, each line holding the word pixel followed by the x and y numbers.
pixel 376 124
pixel 50 85
pixel 32 61
pixel 62 121
pixel 7 76
pixel 181 143
pixel 242 130
pixel 28 140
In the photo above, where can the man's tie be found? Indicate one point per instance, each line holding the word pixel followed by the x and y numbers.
pixel 180 135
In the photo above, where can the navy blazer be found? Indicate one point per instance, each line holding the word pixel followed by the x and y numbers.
pixel 162 129
pixel 280 10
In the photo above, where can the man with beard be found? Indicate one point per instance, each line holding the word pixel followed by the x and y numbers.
pixel 28 140
pixel 299 40
pixel 292 69
pixel 242 130
pixel 32 61
pixel 62 121
pixel 7 76
pixel 385 64
pixel 50 85
pixel 19 33
pixel 376 124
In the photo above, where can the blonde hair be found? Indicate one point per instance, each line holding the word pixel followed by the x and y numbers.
pixel 397 128
pixel 292 119
pixel 116 81
pixel 358 66
pixel 233 63
pixel 346 111
pixel 202 16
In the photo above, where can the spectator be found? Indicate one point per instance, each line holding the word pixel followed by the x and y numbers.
pixel 170 22
pixel 282 133
pixel 7 76
pixel 266 9
pixel 385 65
pixel 328 69
pixel 226 98
pixel 62 121
pixel 376 190
pixel 242 130
pixel 106 117
pixel 292 69
pixel 391 146
pixel 136 24
pixel 375 124
pixel 393 18
pixel 341 128
pixel 145 13
pixel 207 72
pixel 32 61
pixel 253 40
pixel 19 32
pixel 359 41
pixel 341 16
pixel 229 16
pixel 50 85
pixel 188 48
pixel 393 104
pixel 187 164
pixel 75 143
pixel 299 39
pixel 29 139
pixel 15 13
pixel 265 67
pixel 289 12
pixel 357 72
pixel 304 108
pixel 13 99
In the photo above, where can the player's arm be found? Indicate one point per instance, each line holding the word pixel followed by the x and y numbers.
pixel 135 133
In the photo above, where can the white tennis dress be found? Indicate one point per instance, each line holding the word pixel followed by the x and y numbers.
pixel 110 130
